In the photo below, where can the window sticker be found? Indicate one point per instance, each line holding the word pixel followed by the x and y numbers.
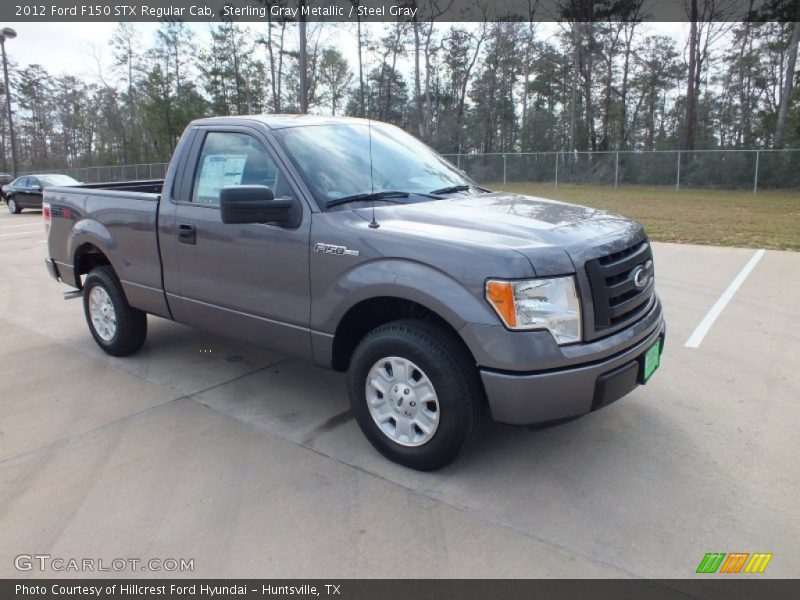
pixel 219 171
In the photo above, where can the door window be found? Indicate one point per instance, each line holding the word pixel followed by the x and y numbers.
pixel 231 159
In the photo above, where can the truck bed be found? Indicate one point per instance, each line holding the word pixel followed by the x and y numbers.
pixel 120 219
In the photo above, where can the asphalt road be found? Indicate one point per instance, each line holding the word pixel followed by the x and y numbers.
pixel 249 463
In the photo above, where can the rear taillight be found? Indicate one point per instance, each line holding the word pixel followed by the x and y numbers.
pixel 47 217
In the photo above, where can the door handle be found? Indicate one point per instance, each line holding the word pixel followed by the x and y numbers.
pixel 187 234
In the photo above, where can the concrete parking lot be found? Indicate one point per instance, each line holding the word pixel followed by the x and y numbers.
pixel 204 448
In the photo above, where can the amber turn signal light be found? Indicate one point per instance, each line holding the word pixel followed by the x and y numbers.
pixel 500 295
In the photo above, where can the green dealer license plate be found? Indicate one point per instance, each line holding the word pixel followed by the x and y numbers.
pixel 651 359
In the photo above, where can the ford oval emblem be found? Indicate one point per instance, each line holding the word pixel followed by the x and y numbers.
pixel 640 277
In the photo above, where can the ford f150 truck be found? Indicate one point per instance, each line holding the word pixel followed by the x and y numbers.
pixel 352 244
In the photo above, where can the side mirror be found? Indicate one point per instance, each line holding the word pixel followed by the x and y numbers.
pixel 37 188
pixel 257 204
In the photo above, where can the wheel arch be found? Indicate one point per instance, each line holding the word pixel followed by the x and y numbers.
pixel 89 245
pixel 87 256
pixel 366 315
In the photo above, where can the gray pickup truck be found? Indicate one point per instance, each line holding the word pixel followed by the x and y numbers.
pixel 351 244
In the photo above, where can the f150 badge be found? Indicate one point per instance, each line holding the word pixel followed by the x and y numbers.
pixel 331 249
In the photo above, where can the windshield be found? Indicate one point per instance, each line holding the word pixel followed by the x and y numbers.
pixel 334 161
pixel 52 180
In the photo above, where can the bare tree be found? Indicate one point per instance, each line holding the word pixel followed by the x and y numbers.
pixel 423 37
pixel 706 27
pixel 274 43
pixel 786 95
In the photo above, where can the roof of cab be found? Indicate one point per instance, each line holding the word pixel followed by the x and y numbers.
pixel 281 121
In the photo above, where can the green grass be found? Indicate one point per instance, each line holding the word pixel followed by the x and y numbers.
pixel 769 219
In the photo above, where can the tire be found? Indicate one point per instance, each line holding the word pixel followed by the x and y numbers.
pixel 13 207
pixel 434 360
pixel 117 327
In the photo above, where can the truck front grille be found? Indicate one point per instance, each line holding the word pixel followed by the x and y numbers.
pixel 616 297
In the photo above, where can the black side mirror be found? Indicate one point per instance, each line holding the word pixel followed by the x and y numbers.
pixel 257 204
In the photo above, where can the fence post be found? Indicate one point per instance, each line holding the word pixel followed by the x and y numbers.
pixel 558 156
pixel 458 160
pixel 616 170
pixel 504 170
pixel 678 180
pixel 755 180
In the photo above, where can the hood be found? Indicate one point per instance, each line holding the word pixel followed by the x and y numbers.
pixel 542 230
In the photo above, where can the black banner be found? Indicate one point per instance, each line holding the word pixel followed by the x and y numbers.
pixel 712 588
pixel 396 10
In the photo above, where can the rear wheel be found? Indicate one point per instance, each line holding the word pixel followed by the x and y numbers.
pixel 118 328
pixel 13 207
pixel 415 393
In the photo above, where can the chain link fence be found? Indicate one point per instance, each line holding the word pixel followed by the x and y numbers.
pixel 731 169
pixel 112 173
pixel 727 169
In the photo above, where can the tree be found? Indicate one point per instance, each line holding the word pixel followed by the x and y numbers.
pixel 656 72
pixel 492 92
pixel 706 26
pixel 230 72
pixel 387 91
pixel 303 84
pixel 34 90
pixel 788 87
pixel 462 50
pixel 335 76
pixel 424 48
pixel 361 107
pixel 274 43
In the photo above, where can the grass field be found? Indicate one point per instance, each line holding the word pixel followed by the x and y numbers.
pixel 770 219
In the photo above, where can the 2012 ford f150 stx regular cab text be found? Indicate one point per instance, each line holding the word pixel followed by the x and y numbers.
pixel 352 244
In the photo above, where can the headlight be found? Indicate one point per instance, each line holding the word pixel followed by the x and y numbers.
pixel 550 304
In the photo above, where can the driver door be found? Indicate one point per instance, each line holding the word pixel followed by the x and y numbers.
pixel 248 281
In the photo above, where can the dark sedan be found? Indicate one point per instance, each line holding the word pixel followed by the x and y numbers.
pixel 5 179
pixel 26 191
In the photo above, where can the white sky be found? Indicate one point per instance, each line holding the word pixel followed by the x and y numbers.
pixel 78 48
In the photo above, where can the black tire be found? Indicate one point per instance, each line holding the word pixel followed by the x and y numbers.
pixel 131 323
pixel 451 370
pixel 13 207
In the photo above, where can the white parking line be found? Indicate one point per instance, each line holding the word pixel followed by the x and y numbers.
pixel 39 230
pixel 4 227
pixel 702 329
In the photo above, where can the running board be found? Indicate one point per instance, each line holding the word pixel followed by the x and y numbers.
pixel 73 294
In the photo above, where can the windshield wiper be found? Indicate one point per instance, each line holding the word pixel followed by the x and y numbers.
pixel 452 189
pixel 366 196
pixel 384 195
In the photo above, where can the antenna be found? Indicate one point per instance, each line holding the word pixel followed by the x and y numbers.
pixel 373 224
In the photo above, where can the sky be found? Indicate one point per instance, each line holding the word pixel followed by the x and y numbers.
pixel 82 49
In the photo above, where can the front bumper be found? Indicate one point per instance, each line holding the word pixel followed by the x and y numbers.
pixel 527 398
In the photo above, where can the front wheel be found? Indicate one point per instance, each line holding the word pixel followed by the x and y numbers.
pixel 117 327
pixel 13 207
pixel 415 393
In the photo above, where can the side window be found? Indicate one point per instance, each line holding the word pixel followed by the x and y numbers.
pixel 230 159
pixel 32 181
pixel 22 182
